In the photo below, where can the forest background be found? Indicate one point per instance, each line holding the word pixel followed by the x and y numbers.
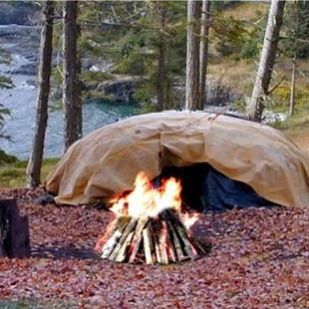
pixel 135 52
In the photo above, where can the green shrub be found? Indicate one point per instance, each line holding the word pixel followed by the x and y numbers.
pixel 6 158
pixel 281 97
pixel 136 63
pixel 13 174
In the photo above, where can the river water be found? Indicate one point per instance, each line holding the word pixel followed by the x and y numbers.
pixel 21 101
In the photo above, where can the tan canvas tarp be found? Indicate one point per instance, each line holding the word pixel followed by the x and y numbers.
pixel 107 160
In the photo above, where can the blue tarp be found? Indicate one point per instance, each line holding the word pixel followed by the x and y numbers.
pixel 220 193
pixel 205 189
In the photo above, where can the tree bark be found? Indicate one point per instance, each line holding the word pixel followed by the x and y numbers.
pixel 205 23
pixel 295 32
pixel 14 231
pixel 161 82
pixel 71 84
pixel 192 58
pixel 267 60
pixel 293 82
pixel 45 55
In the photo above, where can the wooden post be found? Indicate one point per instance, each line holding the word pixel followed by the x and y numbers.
pixel 14 231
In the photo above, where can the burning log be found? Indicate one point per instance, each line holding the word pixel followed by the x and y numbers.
pixel 122 244
pixel 177 243
pixel 112 236
pixel 148 245
pixel 138 238
pixel 162 240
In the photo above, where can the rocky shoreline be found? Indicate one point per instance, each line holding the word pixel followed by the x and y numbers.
pixel 22 40
pixel 21 43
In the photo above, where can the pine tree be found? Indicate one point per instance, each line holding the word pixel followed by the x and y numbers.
pixel 5 82
pixel 192 59
pixel 71 68
pixel 205 24
pixel 36 157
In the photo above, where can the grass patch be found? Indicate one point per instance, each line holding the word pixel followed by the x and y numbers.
pixel 37 304
pixel 297 128
pixel 13 175
pixel 297 122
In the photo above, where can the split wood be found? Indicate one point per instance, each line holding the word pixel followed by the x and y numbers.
pixel 162 240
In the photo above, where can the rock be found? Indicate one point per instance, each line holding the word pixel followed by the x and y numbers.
pixel 219 92
pixel 45 199
pixel 29 83
pixel 22 14
pixel 121 89
pixel 21 40
pixel 27 69
pixel 271 117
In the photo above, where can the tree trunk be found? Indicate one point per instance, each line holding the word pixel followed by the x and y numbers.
pixel 192 58
pixel 36 157
pixel 267 60
pixel 293 82
pixel 205 23
pixel 295 32
pixel 161 82
pixel 71 68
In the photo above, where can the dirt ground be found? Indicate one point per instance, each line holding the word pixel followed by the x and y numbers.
pixel 259 259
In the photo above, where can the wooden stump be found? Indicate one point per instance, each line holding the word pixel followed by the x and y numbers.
pixel 14 231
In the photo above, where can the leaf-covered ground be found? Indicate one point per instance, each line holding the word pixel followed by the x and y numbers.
pixel 259 259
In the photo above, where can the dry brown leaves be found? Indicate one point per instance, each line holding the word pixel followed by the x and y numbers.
pixel 259 259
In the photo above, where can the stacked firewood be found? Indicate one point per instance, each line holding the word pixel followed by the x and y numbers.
pixel 163 240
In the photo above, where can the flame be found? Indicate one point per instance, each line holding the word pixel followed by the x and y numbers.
pixel 145 200
pixel 188 219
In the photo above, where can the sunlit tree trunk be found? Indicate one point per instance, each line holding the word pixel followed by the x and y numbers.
pixel 293 82
pixel 71 84
pixel 267 60
pixel 205 23
pixel 45 56
pixel 295 33
pixel 192 58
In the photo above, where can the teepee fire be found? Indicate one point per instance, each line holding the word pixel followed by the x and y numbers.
pixel 150 226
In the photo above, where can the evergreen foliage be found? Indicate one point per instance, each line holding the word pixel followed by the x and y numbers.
pixel 123 38
pixel 5 82
pixel 131 38
pixel 296 31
